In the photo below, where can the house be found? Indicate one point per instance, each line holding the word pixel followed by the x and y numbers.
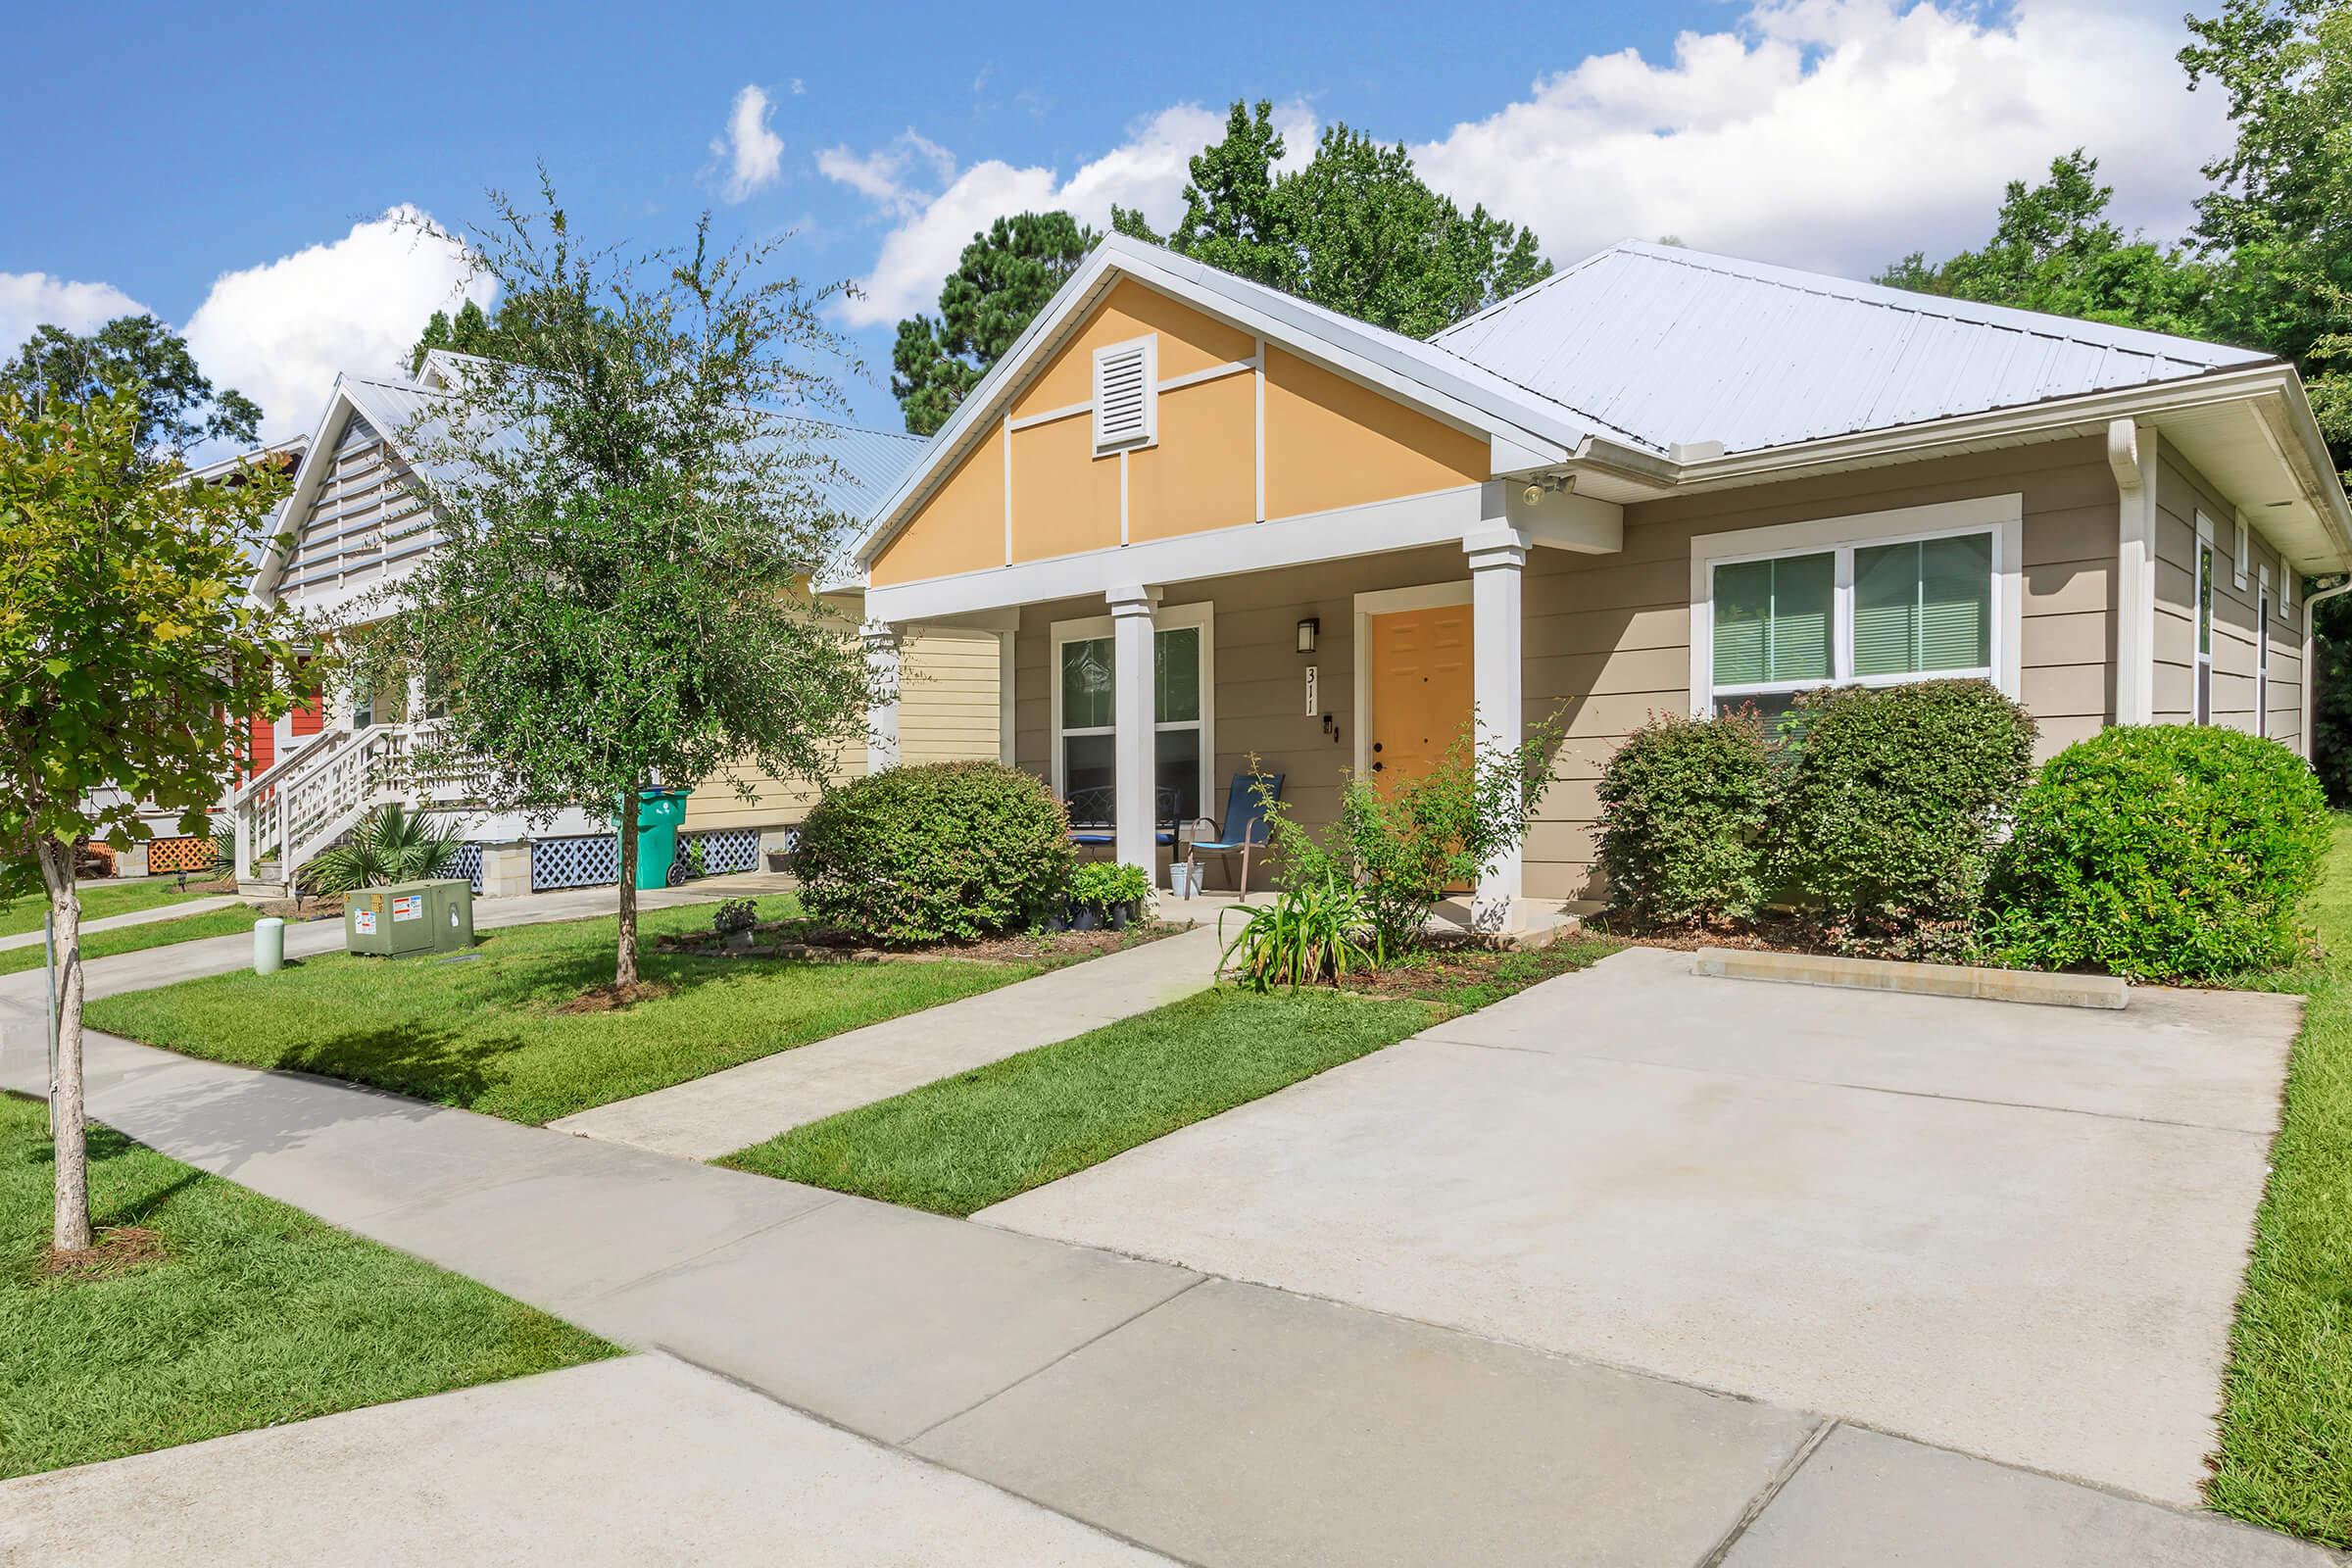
pixel 1658 480
pixel 359 515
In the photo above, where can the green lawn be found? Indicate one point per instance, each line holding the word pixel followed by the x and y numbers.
pixel 481 1030
pixel 257 1314
pixel 136 938
pixel 2286 1458
pixel 98 900
pixel 956 1145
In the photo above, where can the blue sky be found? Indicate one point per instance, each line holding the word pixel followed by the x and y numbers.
pixel 232 172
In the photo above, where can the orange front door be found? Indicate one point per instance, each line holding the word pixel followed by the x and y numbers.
pixel 1421 692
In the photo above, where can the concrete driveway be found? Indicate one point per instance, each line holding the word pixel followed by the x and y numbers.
pixel 2016 1231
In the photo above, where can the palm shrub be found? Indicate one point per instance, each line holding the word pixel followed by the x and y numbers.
pixel 945 851
pixel 1684 804
pixel 2161 852
pixel 1891 809
pixel 390 844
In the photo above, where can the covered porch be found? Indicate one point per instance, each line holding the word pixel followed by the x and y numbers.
pixel 1305 650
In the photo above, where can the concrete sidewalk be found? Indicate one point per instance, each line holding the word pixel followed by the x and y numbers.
pixel 116 922
pixel 715 1116
pixel 640 1460
pixel 1213 1421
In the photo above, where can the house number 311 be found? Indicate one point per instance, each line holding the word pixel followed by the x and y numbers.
pixel 1312 706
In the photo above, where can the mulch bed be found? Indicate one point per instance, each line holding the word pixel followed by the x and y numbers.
pixel 118 1252
pixel 612 997
pixel 808 942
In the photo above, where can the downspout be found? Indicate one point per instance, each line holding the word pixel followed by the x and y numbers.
pixel 2310 669
pixel 2131 458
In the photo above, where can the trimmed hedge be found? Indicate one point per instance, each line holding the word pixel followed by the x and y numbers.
pixel 1683 809
pixel 1889 818
pixel 947 852
pixel 2164 852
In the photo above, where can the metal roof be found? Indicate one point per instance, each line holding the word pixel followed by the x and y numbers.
pixel 1679 347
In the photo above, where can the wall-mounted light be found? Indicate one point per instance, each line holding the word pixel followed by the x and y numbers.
pixel 1306 634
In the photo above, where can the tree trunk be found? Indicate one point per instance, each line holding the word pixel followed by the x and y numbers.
pixel 624 964
pixel 69 1229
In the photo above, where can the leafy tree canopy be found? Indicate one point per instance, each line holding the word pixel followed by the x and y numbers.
pixel 128 658
pixel 631 504
pixel 1004 280
pixel 485 335
pixel 2053 248
pixel 1356 230
pixel 139 356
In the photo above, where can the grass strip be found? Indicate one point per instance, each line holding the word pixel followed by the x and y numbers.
pixel 253 1315
pixel 139 938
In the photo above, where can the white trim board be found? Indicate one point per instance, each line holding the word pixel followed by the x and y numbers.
pixel 1440 517
pixel 2002 514
pixel 1383 602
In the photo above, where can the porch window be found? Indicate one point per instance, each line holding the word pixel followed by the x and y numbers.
pixel 1086 708
pixel 2204 663
pixel 1920 593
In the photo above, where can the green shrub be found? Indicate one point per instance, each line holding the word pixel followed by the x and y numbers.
pixel 390 844
pixel 1683 807
pixel 1104 883
pixel 947 852
pixel 1890 810
pixel 2160 853
pixel 1409 845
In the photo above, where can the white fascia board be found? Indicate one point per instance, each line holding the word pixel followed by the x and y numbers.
pixel 1249 309
pixel 1441 517
pixel 307 478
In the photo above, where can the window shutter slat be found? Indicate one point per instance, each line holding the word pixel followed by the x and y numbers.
pixel 1955 603
pixel 1126 413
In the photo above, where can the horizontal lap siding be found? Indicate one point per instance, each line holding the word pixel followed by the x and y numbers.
pixel 946 713
pixel 2180 493
pixel 1608 636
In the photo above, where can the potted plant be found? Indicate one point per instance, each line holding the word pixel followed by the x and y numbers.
pixel 1109 894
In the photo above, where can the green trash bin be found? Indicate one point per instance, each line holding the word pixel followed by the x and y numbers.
pixel 658 814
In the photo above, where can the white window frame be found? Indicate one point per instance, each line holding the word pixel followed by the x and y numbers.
pixel 1169 617
pixel 2262 655
pixel 2003 517
pixel 2202 625
pixel 1148 347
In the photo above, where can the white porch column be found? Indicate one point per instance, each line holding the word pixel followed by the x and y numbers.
pixel 1134 760
pixel 882 717
pixel 1006 693
pixel 415 713
pixel 1498 562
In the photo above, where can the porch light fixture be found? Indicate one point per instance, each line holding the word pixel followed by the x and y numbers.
pixel 1306 634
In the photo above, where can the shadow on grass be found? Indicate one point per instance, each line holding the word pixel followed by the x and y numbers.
pixel 435 1064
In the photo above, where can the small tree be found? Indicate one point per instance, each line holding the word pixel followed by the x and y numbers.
pixel 129 661
pixel 631 511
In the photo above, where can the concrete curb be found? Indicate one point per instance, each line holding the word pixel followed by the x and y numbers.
pixel 1914 979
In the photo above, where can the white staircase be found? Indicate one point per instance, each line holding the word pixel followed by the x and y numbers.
pixel 303 803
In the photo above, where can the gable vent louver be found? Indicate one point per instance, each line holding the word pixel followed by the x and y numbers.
pixel 1126 396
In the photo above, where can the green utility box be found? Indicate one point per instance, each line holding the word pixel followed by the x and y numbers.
pixel 658 814
pixel 409 918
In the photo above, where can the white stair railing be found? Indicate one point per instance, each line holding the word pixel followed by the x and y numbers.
pixel 290 816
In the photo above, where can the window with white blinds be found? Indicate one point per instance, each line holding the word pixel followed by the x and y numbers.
pixel 1126 396
pixel 1870 613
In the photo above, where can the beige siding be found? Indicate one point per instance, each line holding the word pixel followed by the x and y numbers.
pixel 948 703
pixel 2182 492
pixel 1607 640
pixel 946 713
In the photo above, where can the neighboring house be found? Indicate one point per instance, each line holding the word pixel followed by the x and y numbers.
pixel 169 849
pixel 1657 481
pixel 358 517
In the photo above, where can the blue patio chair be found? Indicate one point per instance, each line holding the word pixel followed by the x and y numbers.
pixel 1245 824
pixel 1094 818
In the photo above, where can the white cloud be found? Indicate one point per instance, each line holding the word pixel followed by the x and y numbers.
pixel 934 218
pixel 28 300
pixel 1839 134
pixel 752 153
pixel 280 332
pixel 800 89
